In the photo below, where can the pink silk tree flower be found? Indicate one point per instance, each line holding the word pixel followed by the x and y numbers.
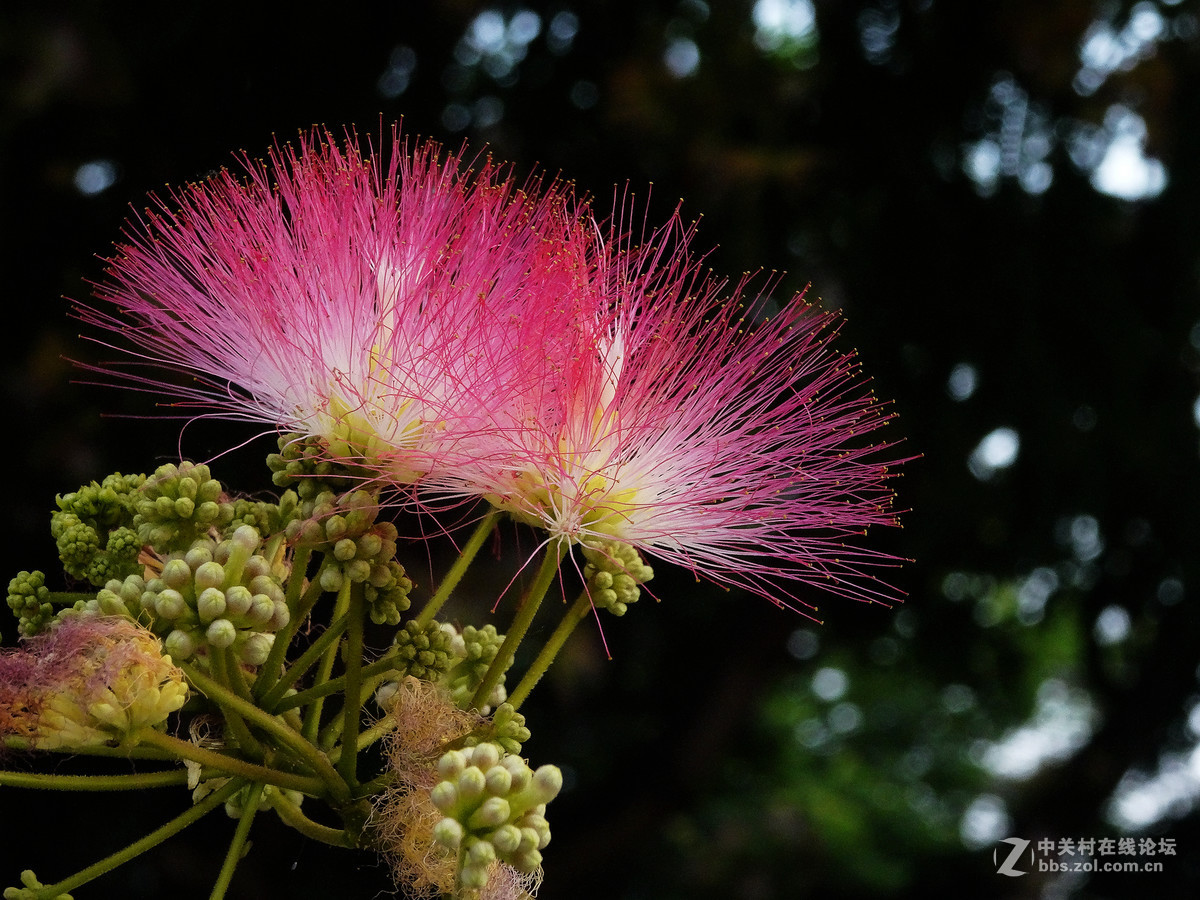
pixel 374 300
pixel 703 432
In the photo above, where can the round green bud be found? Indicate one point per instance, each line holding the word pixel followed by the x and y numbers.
pixel 237 601
pixel 474 877
pixel 370 545
pixel 471 784
pixel 245 538
pixel 261 611
pixel 445 796
pixel 199 554
pixel 176 574
pixel 452 764
pixel 335 528
pixel 255 649
pixel 210 575
pixel 449 833
pixel 547 782
pixel 170 604
pixel 358 570
pixel 485 756
pixel 480 853
pixel 506 839
pixel 331 579
pixel 499 781
pixel 210 604
pixel 492 813
pixel 221 633
pixel 179 645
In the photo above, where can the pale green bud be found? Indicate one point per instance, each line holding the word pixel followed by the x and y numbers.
pixel 210 575
pixel 221 633
pixel 210 604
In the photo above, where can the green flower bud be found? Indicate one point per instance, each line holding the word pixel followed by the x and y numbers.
pixel 176 573
pixel 492 813
pixel 210 605
pixel 179 645
pixel 221 633
pixel 169 604
pixel 210 575
pixel 445 796
pixel 238 599
pixel 255 648
pixel 448 833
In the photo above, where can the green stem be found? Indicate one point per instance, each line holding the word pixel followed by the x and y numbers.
pixel 68 598
pixel 219 659
pixel 291 815
pixel 576 614
pixel 238 845
pixel 352 706
pixel 366 737
pixel 153 839
pixel 521 622
pixel 312 719
pixel 372 673
pixel 454 576
pixel 232 765
pixel 287 738
pixel 299 608
pixel 25 745
pixel 124 782
pixel 275 699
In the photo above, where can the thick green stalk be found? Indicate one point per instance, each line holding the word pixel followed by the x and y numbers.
pixel 129 781
pixel 576 614
pixel 232 765
pixel 25 745
pixel 352 705
pixel 274 699
pixel 521 622
pixel 238 845
pixel 299 608
pixel 459 568
pixel 312 719
pixel 220 665
pixel 372 674
pixel 294 818
pixel 137 848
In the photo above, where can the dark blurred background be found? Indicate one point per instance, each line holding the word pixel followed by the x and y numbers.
pixel 1002 197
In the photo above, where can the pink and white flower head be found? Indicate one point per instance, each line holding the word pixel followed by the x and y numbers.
pixel 703 432
pixel 371 300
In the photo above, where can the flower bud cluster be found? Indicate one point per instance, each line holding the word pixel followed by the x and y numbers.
pixel 506 728
pixel 266 517
pixel 179 504
pixel 422 652
pixel 473 650
pixel 304 462
pixel 358 549
pixel 613 572
pixel 94 529
pixel 214 595
pixel 28 597
pixel 494 808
